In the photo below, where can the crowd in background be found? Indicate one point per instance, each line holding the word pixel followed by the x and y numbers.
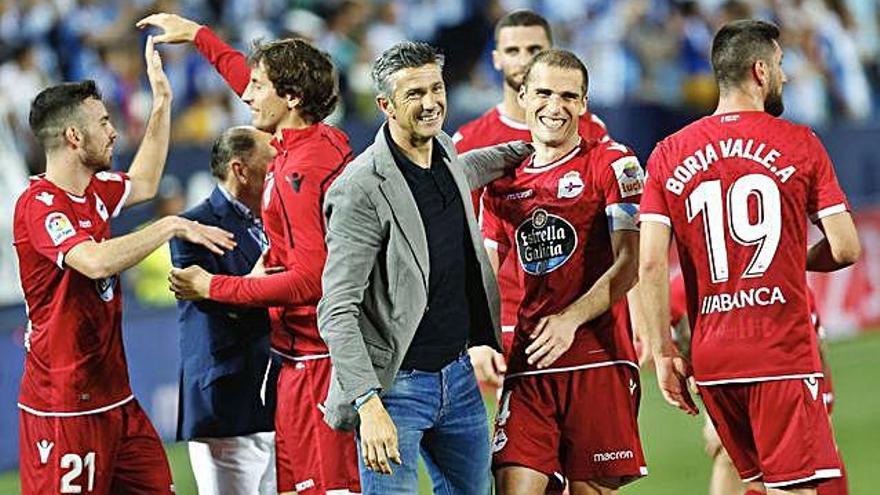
pixel 637 50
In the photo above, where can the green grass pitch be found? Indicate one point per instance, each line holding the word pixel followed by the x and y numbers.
pixel 672 440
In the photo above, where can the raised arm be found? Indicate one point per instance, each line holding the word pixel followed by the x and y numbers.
pixel 149 161
pixel 230 63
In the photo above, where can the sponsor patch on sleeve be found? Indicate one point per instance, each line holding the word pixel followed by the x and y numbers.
pixel 630 177
pixel 58 227
pixel 622 216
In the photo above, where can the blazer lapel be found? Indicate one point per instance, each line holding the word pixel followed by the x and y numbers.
pixel 403 205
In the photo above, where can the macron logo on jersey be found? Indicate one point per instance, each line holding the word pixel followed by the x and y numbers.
pixel 44 447
pixel 46 198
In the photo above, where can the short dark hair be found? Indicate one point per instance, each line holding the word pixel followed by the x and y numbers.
pixel 736 48
pixel 56 107
pixel 298 69
pixel 236 142
pixel 523 18
pixel 403 55
pixel 557 57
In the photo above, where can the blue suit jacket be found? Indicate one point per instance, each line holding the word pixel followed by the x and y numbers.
pixel 224 350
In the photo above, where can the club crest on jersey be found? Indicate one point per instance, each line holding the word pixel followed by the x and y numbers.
pixel 105 288
pixel 570 185
pixel 499 441
pixel 58 227
pixel 544 242
pixel 630 177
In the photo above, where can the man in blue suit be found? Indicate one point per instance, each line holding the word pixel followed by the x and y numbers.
pixel 227 377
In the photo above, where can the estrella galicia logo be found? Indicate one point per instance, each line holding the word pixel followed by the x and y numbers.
pixel 544 242
pixel 106 287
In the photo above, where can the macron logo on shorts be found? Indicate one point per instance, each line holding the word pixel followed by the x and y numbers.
pixel 45 448
pixel 613 456
pixel 812 384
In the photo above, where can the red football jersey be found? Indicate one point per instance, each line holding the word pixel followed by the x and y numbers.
pixel 75 361
pixel 493 128
pixel 555 220
pixel 736 190
pixel 307 162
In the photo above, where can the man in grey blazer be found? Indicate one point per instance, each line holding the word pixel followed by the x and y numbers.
pixel 410 306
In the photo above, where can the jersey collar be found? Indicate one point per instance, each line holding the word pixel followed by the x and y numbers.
pixel 291 137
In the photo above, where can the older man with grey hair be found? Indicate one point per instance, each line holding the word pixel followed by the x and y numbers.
pixel 410 306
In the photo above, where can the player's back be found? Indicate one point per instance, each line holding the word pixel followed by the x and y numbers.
pixel 737 189
pixel 75 361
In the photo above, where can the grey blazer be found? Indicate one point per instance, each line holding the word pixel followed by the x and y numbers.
pixel 375 281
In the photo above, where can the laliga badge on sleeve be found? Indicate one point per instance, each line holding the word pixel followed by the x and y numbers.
pixel 58 227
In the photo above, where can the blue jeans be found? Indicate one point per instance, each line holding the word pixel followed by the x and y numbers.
pixel 440 415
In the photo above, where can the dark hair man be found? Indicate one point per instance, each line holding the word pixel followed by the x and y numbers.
pixel 519 36
pixel 574 238
pixel 227 374
pixel 736 187
pixel 290 86
pixel 80 428
pixel 410 305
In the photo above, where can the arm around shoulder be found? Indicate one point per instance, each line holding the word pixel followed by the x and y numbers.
pixel 483 165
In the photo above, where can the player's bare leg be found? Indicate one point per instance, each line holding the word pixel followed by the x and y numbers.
pixel 724 479
pixel 519 480
pixel 590 488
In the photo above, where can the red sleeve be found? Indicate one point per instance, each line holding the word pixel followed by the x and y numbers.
pixel 494 233
pixel 300 284
pixel 653 206
pixel 113 188
pixel 50 226
pixel 620 179
pixel 230 63
pixel 826 196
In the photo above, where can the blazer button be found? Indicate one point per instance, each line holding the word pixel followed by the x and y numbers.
pixel 426 309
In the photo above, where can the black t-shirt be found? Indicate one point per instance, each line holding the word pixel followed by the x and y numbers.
pixel 443 333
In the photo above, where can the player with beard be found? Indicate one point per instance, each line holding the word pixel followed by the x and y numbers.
pixel 734 188
pixel 291 87
pixel 567 217
pixel 80 428
pixel 519 36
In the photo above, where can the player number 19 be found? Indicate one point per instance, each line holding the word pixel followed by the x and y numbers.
pixel 764 233
pixel 75 463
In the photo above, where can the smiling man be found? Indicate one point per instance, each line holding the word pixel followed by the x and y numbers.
pixel 290 87
pixel 519 36
pixel 567 216
pixel 410 306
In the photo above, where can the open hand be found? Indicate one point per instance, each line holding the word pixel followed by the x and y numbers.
pixel 551 337
pixel 176 29
pixel 215 239
pixel 158 80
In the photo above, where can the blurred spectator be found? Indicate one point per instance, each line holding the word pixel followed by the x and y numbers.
pixel 637 50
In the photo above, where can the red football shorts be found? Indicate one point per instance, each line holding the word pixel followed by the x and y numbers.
pixel 113 452
pixel 310 457
pixel 777 432
pixel 577 425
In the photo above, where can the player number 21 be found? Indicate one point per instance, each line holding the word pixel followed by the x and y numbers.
pixel 764 233
pixel 75 463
